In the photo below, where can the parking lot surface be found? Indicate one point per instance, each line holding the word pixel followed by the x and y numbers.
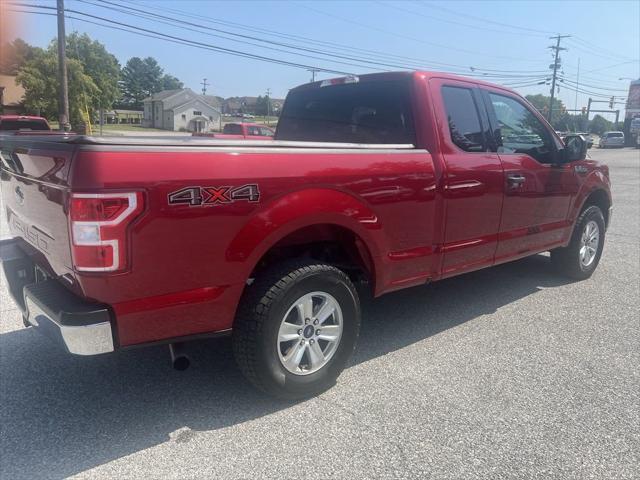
pixel 509 372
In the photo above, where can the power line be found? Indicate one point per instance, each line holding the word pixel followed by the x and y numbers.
pixel 296 47
pixel 453 22
pixel 594 86
pixel 171 38
pixel 486 20
pixel 399 35
pixel 172 22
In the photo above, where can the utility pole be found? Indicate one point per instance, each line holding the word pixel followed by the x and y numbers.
pixel 204 86
pixel 268 103
pixel 555 66
pixel 63 90
pixel 575 105
pixel 313 73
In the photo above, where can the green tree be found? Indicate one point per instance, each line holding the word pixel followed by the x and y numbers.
pixel 92 78
pixel 541 102
pixel 15 55
pixel 100 65
pixel 39 78
pixel 169 82
pixel 262 105
pixel 599 125
pixel 140 78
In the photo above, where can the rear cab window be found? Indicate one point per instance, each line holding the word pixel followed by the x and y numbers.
pixel 232 129
pixel 376 111
pixel 31 125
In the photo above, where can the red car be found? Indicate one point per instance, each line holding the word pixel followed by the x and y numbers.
pixel 383 181
pixel 240 131
pixel 23 123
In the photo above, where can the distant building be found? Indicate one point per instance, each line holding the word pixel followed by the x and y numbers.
pixel 182 110
pixel 239 105
pixel 124 116
pixel 11 96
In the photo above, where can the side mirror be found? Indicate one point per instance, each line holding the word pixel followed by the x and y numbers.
pixel 575 148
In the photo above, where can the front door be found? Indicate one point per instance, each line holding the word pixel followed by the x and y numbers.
pixel 472 189
pixel 537 190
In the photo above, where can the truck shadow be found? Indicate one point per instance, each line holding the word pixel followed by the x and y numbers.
pixel 62 415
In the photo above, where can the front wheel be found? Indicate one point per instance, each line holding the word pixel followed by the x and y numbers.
pixel 581 257
pixel 296 327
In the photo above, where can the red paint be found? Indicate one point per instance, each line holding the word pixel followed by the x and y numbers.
pixel 169 300
pixel 421 214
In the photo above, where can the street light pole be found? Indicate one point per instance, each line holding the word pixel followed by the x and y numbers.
pixel 63 90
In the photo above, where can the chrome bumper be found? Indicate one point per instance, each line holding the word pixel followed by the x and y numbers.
pixel 84 339
pixel 81 327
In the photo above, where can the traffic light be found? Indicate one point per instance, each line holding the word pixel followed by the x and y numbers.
pixel 611 102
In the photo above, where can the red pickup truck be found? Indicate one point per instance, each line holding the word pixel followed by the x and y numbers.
pixel 240 131
pixel 378 182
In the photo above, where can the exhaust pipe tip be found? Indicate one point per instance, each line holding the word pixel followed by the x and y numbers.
pixel 179 360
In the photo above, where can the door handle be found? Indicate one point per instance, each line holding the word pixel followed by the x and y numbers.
pixel 515 180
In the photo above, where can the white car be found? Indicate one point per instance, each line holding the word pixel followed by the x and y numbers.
pixel 612 139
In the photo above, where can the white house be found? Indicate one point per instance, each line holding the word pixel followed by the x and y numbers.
pixel 182 110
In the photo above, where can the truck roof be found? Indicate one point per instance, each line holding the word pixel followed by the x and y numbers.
pixel 21 117
pixel 370 77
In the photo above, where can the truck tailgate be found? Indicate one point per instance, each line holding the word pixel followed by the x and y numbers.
pixel 34 183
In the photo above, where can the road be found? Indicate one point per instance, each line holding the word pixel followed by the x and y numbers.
pixel 510 372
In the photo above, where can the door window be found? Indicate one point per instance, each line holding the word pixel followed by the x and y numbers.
pixel 520 131
pixel 463 119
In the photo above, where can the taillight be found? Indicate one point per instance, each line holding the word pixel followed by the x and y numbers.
pixel 99 224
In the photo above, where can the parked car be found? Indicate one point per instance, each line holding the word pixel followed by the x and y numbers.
pixel 16 123
pixel 238 131
pixel 612 139
pixel 372 184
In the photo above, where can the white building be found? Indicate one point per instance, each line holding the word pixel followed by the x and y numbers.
pixel 182 110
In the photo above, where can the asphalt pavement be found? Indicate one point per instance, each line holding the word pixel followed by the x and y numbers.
pixel 509 372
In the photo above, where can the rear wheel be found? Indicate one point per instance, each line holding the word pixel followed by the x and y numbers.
pixel 581 257
pixel 296 328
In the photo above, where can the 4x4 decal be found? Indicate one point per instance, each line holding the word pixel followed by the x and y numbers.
pixel 209 196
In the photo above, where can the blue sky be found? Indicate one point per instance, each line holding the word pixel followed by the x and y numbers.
pixel 508 40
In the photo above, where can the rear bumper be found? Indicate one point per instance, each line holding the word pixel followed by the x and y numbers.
pixel 81 327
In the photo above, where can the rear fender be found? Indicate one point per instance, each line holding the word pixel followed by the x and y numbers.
pixel 300 209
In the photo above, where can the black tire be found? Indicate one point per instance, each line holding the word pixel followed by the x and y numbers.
pixel 567 260
pixel 261 311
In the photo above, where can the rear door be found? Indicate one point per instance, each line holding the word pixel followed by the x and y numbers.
pixel 537 190
pixel 473 186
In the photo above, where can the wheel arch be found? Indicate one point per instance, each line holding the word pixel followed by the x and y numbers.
pixel 310 217
pixel 601 199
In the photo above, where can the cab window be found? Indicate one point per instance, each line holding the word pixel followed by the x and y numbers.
pixel 463 119
pixel 520 131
